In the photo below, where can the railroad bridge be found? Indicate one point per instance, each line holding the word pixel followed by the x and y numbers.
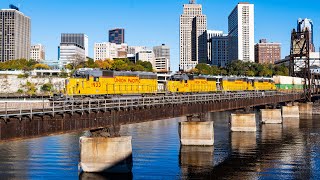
pixel 57 117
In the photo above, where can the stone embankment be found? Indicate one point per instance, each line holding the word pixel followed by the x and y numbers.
pixel 11 84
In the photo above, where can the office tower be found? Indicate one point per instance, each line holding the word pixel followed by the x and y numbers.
pixel 37 52
pixel 15 35
pixel 306 24
pixel 241 33
pixel 161 64
pixel 73 48
pixel 220 50
pixel 116 36
pixel 107 50
pixel 79 39
pixel 193 36
pixel 210 35
pixel 267 52
pixel 162 52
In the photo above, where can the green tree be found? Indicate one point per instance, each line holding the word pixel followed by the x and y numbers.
pixel 47 87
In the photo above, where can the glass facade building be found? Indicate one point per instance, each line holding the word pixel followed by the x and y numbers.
pixel 116 36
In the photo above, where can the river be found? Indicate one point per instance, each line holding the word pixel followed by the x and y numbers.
pixel 288 151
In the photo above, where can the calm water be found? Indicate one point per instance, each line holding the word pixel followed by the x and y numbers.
pixel 288 151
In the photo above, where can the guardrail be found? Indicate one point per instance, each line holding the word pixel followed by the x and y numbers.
pixel 88 105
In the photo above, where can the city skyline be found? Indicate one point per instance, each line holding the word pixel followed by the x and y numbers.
pixel 165 30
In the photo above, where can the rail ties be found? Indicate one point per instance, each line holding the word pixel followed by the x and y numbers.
pixel 52 108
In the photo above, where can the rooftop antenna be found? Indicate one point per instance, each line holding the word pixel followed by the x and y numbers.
pixel 192 1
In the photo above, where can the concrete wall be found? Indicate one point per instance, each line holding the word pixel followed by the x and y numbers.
pixel 243 122
pixel 290 112
pixel 271 116
pixel 306 108
pixel 106 154
pixel 10 83
pixel 196 133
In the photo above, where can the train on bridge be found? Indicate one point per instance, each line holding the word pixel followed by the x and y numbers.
pixel 92 82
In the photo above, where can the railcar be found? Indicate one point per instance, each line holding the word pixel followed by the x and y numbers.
pixel 234 84
pixel 183 83
pixel 106 82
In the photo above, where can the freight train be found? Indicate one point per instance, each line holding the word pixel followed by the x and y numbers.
pixel 94 82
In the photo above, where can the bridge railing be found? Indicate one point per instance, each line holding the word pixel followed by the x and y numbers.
pixel 89 105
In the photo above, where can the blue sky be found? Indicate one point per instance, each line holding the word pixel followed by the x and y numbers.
pixel 153 22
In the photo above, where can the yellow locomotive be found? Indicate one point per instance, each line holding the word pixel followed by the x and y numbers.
pixel 88 82
pixel 182 83
pixel 106 82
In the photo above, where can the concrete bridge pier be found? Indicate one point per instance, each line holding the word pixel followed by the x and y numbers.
pixel 271 116
pixel 196 133
pixel 290 112
pixel 243 122
pixel 305 109
pixel 102 153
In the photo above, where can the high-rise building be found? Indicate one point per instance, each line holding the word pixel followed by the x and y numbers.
pixel 79 39
pixel 306 24
pixel 73 48
pixel 220 50
pixel 267 52
pixel 116 36
pixel 107 50
pixel 37 52
pixel 15 35
pixel 210 35
pixel 162 51
pixel 71 53
pixel 241 33
pixel 162 58
pixel 193 36
pixel 161 64
pixel 146 55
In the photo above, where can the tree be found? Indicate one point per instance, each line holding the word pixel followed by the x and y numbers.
pixel 76 61
pixel 41 66
pixel 203 68
pixel 146 64
pixel 90 63
pixel 47 87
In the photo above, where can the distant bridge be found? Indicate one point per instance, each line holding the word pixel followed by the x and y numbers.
pixel 78 115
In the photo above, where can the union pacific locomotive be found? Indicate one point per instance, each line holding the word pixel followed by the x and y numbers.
pixel 88 82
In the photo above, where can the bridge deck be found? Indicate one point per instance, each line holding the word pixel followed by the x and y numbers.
pixel 89 105
pixel 73 116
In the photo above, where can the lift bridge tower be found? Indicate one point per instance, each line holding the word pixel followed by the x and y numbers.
pixel 299 65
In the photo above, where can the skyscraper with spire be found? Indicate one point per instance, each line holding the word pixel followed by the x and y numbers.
pixel 193 36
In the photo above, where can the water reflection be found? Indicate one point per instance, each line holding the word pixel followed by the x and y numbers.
pixel 196 158
pixel 271 132
pixel 243 142
pixel 288 151
pixel 96 176
pixel 291 123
